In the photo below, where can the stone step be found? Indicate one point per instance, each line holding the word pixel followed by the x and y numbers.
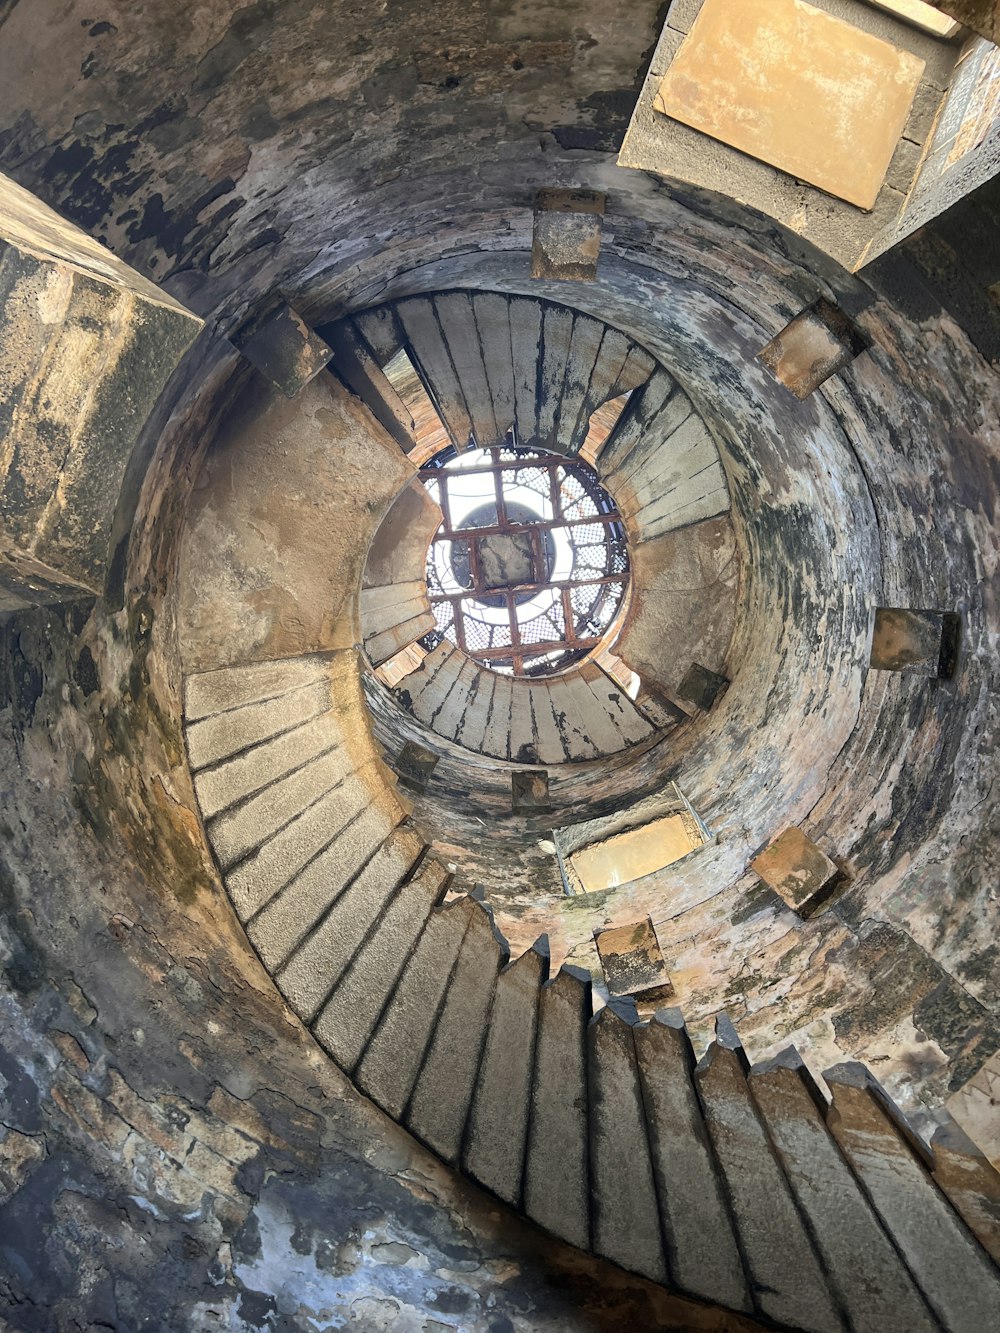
pixel 218 691
pixel 626 1220
pixel 314 967
pixel 702 1253
pixel 222 735
pixel 525 343
pixel 457 318
pixel 584 350
pixel 393 1057
pixel 270 866
pixel 492 313
pixel 786 1276
pixel 290 914
pixel 347 1020
pixel 556 1174
pixel 443 1092
pixel 868 1278
pixel 557 336
pixel 498 1121
pixel 250 770
pixel 429 352
pixel 955 1275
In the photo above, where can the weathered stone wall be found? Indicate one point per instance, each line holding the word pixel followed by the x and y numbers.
pixel 188 137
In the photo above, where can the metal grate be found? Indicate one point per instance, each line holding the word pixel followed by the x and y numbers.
pixel 529 568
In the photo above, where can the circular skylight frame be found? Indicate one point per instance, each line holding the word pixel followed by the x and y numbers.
pixel 529 572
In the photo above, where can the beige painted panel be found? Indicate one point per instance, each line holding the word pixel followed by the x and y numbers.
pixel 794 87
pixel 637 852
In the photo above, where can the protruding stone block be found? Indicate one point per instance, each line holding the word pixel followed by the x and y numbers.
pixel 797 870
pixel 415 766
pixel 633 962
pixel 922 643
pixel 815 345
pixel 529 792
pixel 567 234
pixel 86 348
pixel 702 687
pixel 283 347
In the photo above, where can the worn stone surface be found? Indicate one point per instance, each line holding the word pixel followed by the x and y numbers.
pixel 799 872
pixel 815 345
pixel 923 643
pixel 191 142
pixel 280 344
pixel 632 961
pixel 566 240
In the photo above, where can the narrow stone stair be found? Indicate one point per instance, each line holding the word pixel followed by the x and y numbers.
pixel 739 1186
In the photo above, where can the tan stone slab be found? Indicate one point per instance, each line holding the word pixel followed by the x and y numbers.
pixel 633 961
pixel 797 870
pixel 759 75
pixel 636 852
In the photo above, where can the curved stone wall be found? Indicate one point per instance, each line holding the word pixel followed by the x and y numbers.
pixel 173 1144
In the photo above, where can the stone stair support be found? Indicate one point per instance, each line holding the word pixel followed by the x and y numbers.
pixel 557 335
pixel 442 1096
pixel 498 1120
pixel 361 372
pixel 525 342
pixel 702 1252
pixel 626 1222
pixel 786 1278
pixel 493 323
pixel 346 1021
pixel 290 914
pixel 557 1174
pixel 219 691
pixel 584 350
pixel 872 1285
pixel 429 353
pixel 955 1275
pixel 971 1182
pixel 317 962
pixel 457 318
pixel 391 1063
